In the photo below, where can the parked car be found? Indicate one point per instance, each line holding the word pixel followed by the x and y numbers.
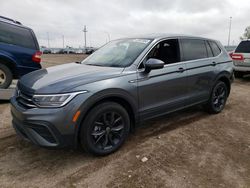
pixel 89 51
pixel 62 51
pixel 19 51
pixel 241 59
pixel 66 51
pixel 47 51
pixel 101 99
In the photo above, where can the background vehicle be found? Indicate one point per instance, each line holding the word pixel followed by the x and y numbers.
pixel 241 59
pixel 19 51
pixel 89 50
pixel 66 51
pixel 123 83
pixel 47 51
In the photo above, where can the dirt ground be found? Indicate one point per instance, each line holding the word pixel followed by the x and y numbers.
pixel 184 149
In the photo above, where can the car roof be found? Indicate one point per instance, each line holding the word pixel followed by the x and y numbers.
pixel 12 22
pixel 246 40
pixel 168 35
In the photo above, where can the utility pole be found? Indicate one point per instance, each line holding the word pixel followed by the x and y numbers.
pixel 63 41
pixel 108 36
pixel 48 39
pixel 85 37
pixel 229 32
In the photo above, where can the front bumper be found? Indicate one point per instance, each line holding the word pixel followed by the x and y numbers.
pixel 47 127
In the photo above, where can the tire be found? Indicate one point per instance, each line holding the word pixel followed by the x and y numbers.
pixel 5 77
pixel 238 74
pixel 104 129
pixel 217 98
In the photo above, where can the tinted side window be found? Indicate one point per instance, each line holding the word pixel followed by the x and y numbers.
pixel 209 50
pixel 193 49
pixel 168 51
pixel 244 47
pixel 16 35
pixel 215 48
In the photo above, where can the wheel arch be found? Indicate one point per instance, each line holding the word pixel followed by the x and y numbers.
pixel 10 63
pixel 121 98
pixel 226 78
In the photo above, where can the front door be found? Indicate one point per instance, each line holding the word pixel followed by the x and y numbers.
pixel 164 90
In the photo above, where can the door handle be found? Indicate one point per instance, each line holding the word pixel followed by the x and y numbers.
pixel 181 70
pixel 214 63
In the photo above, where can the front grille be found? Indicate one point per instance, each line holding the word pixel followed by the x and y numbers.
pixel 25 100
pixel 43 132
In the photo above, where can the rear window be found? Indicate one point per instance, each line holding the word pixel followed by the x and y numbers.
pixel 215 48
pixel 244 47
pixel 19 36
pixel 193 49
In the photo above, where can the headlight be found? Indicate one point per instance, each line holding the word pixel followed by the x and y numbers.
pixel 56 100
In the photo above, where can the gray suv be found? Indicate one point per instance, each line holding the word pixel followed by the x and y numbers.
pixel 97 102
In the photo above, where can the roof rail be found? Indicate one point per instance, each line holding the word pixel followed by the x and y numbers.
pixel 9 19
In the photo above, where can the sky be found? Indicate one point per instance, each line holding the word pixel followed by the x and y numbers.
pixel 114 19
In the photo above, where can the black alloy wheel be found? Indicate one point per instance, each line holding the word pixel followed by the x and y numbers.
pixel 108 130
pixel 105 128
pixel 218 98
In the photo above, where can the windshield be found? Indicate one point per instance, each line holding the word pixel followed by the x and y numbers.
pixel 118 53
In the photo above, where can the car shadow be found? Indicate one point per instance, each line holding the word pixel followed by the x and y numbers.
pixel 171 121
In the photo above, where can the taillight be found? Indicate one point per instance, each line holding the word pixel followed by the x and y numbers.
pixel 231 53
pixel 37 57
pixel 238 57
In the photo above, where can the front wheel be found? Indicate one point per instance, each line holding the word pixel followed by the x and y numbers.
pixel 217 98
pixel 105 128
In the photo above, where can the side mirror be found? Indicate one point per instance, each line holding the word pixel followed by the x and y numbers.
pixel 153 64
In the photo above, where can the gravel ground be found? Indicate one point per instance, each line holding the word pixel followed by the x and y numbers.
pixel 184 149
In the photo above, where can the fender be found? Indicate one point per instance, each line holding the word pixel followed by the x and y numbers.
pixel 8 57
pixel 100 96
pixel 225 75
pixel 11 62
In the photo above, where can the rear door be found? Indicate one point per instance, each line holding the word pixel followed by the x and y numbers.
pixel 200 65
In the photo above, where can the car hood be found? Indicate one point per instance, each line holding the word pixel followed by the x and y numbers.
pixel 64 78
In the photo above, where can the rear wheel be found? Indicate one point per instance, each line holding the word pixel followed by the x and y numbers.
pixel 218 98
pixel 5 76
pixel 238 74
pixel 105 128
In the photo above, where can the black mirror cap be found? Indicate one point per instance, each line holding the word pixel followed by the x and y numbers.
pixel 153 64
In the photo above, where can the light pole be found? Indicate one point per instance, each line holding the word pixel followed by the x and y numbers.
pixel 229 32
pixel 85 38
pixel 63 41
pixel 107 35
pixel 48 39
